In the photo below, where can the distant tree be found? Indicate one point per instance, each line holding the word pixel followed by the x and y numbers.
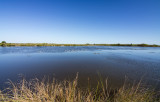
pixel 3 43
pixel 143 45
pixel 87 43
pixel 154 45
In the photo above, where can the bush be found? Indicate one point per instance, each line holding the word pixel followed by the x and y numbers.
pixel 3 42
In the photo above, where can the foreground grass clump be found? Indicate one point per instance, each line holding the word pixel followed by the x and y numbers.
pixel 67 91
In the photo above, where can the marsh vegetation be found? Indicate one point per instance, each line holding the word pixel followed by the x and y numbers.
pixel 4 44
pixel 68 91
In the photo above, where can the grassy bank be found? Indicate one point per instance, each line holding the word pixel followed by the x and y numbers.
pixel 4 44
pixel 67 91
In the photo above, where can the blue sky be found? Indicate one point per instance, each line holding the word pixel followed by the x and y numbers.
pixel 80 21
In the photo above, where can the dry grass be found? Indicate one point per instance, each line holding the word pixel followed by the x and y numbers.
pixel 67 91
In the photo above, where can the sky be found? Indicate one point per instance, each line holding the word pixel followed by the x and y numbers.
pixel 80 21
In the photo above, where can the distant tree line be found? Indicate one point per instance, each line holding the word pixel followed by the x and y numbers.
pixel 5 44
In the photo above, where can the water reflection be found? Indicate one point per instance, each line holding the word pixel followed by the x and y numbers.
pixel 113 63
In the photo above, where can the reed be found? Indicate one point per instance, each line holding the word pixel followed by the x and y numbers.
pixel 67 91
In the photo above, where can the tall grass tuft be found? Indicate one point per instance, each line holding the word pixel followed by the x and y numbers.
pixel 67 91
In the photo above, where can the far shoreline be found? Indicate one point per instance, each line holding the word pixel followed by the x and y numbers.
pixel 4 44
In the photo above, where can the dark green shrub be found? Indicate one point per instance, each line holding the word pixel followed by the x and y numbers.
pixel 3 43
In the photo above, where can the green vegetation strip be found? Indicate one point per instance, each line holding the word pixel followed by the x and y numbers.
pixel 4 44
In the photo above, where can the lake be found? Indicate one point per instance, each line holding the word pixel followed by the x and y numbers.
pixel 112 62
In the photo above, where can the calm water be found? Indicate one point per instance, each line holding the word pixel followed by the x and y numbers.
pixel 113 63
